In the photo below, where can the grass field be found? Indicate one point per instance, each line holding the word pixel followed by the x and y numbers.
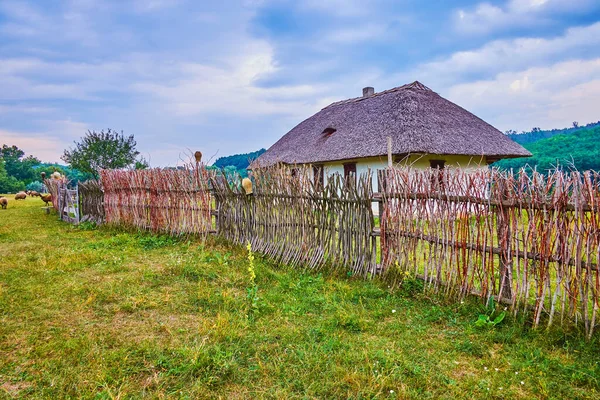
pixel 101 313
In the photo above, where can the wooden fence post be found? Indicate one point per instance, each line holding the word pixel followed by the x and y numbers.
pixel 77 206
pixel 503 232
pixel 216 212
pixel 61 204
pixel 381 184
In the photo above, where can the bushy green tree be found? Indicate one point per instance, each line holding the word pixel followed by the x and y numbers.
pixel 102 150
pixel 8 184
pixel 17 165
pixel 142 163
pixel 35 185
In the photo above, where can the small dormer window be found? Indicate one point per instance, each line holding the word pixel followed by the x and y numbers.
pixel 328 131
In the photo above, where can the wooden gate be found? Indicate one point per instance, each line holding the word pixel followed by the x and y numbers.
pixel 68 205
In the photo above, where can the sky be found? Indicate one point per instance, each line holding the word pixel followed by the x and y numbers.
pixel 232 76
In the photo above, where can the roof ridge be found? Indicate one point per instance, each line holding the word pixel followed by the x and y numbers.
pixel 414 85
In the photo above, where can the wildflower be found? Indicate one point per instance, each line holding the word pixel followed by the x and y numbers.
pixel 496 369
pixel 500 388
pixel 393 311
pixel 517 373
pixel 251 263
pixel 522 383
pixel 391 391
pixel 485 368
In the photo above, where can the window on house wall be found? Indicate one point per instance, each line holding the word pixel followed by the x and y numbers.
pixel 378 184
pixel 437 164
pixel 318 175
pixel 350 172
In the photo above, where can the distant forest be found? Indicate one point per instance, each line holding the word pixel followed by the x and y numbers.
pixel 538 134
pixel 576 147
pixel 237 162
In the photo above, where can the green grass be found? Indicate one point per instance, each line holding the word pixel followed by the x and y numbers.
pixel 99 313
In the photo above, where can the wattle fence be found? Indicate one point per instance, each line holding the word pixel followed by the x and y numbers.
pixel 91 197
pixel 177 202
pixel 530 241
pixel 298 222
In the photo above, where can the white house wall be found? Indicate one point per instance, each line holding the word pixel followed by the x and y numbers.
pixel 419 161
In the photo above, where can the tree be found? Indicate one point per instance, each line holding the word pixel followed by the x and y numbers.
pixel 575 124
pixel 17 165
pixel 35 185
pixel 239 161
pixel 8 184
pixel 142 163
pixel 102 150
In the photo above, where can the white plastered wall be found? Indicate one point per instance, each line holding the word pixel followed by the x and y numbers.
pixel 421 161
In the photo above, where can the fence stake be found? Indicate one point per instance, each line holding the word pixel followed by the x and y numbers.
pixel 503 232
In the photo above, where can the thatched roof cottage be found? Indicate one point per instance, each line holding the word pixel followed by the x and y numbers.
pixel 426 130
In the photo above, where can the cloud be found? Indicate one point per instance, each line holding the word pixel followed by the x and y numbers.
pixel 370 31
pixel 486 17
pixel 511 55
pixel 154 5
pixel 235 76
pixel 342 8
pixel 48 140
pixel 80 24
pixel 232 88
pixel 521 83
pixel 24 109
pixel 46 148
pixel 549 97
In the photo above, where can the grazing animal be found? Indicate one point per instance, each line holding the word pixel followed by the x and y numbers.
pixel 33 193
pixel 3 202
pixel 46 198
pixel 21 196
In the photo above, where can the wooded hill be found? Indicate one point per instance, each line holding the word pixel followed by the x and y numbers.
pixel 238 162
pixel 576 147
pixel 538 134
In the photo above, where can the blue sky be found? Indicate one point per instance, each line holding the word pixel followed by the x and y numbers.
pixel 233 76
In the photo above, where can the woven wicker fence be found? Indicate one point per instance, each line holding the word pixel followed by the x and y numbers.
pixel 530 240
pixel 53 186
pixel 177 202
pixel 298 222
pixel 91 198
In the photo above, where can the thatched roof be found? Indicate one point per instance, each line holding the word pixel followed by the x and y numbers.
pixel 418 120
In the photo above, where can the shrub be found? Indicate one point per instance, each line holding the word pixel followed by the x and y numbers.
pixel 35 185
